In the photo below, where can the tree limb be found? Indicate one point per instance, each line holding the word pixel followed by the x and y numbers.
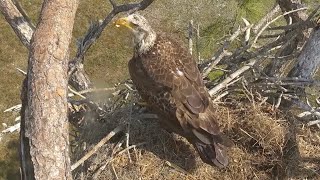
pixel 96 29
pixel 17 20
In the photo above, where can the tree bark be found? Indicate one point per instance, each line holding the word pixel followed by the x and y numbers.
pixel 45 142
pixel 275 67
pixel 17 20
pixel 309 59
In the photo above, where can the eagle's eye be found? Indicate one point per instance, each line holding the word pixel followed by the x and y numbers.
pixel 136 18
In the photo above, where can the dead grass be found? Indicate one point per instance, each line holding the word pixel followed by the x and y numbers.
pixel 266 147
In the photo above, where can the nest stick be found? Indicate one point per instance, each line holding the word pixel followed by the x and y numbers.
pixel 273 20
pixel 96 147
pixel 231 77
pixel 96 174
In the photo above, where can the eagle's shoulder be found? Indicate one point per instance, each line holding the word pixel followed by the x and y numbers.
pixel 172 45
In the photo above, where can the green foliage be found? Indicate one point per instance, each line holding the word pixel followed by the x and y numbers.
pixel 254 10
pixel 215 75
pixel 311 2
pixel 212 35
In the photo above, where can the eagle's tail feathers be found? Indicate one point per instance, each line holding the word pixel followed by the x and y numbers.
pixel 213 154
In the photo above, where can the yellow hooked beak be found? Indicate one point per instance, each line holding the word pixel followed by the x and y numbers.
pixel 123 22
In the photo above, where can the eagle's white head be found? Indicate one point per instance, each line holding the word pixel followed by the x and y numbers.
pixel 144 36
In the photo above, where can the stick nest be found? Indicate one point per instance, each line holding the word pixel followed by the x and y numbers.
pixel 268 145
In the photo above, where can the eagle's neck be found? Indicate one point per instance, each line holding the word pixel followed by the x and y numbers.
pixel 144 41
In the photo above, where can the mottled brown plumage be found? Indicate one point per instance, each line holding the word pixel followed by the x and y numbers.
pixel 167 78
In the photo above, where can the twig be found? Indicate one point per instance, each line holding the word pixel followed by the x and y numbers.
pixel 222 51
pixel 292 26
pixel 273 20
pixel 279 101
pixel 114 171
pixel 128 133
pixel 247 92
pixel 248 134
pixel 266 18
pixel 97 146
pixel 113 3
pixel 96 90
pixel 101 168
pixel 224 70
pixel 95 31
pixel 313 122
pixel 21 71
pixel 301 104
pixel 232 76
pixel 15 108
pixel 234 81
pixel 18 20
pixel 247 32
pixel 213 64
pixel 130 147
pixel 220 96
pixel 190 34
pixel 127 86
pixel 304 114
pixel 198 43
pixel 236 56
pixel 176 167
pixel 290 81
pixel 11 129
pixel 271 36
pixel 75 92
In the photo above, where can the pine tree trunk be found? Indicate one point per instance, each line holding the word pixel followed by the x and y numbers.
pixel 44 133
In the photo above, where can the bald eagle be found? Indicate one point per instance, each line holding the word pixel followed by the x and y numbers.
pixel 168 79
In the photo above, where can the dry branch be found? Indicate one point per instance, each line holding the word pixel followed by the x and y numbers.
pixel 288 5
pixel 266 18
pixel 78 78
pixel 15 108
pixel 18 20
pixel 101 168
pixel 273 20
pixel 11 128
pixel 96 29
pixel 190 34
pixel 97 146
pixel 302 105
pixel 96 90
pixel 230 78
pixel 315 122
pixel 222 51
